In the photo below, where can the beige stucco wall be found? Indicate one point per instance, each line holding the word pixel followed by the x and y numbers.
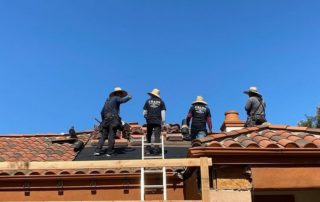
pixel 230 196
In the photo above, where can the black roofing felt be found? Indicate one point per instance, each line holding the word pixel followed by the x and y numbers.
pixel 129 153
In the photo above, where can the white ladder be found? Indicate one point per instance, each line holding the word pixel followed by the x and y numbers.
pixel 143 186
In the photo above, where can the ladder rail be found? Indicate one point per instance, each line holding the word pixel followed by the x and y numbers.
pixel 142 171
pixel 164 174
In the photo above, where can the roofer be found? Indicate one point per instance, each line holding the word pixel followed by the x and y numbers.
pixel 111 120
pixel 255 108
pixel 200 114
pixel 154 111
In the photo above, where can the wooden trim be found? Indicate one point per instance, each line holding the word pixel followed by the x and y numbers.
pixel 52 165
pixel 234 156
pixel 204 169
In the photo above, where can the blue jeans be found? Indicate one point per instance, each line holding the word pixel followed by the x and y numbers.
pixel 200 134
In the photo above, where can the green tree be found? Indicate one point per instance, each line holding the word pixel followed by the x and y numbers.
pixel 311 121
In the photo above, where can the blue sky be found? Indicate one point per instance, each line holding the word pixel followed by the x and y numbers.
pixel 60 59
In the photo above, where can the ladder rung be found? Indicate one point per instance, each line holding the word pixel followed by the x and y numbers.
pixel 153 186
pixel 148 144
pixel 153 157
pixel 153 171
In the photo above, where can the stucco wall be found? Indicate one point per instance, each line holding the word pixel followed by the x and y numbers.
pixel 230 196
pixel 299 195
pixel 48 190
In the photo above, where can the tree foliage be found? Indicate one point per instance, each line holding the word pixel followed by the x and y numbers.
pixel 311 121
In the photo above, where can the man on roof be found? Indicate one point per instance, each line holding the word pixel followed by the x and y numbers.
pixel 154 111
pixel 255 108
pixel 200 114
pixel 111 120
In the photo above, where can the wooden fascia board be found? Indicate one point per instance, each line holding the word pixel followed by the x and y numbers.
pixel 257 156
pixel 78 177
pixel 105 164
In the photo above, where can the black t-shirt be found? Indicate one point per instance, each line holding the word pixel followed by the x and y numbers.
pixel 154 106
pixel 199 114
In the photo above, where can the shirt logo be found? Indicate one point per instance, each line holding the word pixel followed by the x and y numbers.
pixel 154 103
pixel 200 109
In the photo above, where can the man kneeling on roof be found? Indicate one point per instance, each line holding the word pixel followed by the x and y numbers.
pixel 111 120
pixel 200 114
pixel 154 111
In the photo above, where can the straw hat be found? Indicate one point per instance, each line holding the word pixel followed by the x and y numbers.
pixel 155 92
pixel 122 93
pixel 252 89
pixel 199 100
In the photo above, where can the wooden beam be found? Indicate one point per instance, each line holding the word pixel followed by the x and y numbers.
pixel 52 165
pixel 205 187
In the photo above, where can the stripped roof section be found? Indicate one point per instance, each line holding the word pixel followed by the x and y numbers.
pixel 265 136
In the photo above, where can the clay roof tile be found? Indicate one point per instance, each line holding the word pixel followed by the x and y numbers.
pixel 287 143
pixel 231 143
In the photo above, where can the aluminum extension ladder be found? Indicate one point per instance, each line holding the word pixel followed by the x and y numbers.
pixel 143 186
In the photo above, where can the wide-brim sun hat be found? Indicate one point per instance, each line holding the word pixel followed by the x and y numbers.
pixel 155 92
pixel 200 99
pixel 119 91
pixel 252 89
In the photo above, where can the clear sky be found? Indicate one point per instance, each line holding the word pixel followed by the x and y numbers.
pixel 60 59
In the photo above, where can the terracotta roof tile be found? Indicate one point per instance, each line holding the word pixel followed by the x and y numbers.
pixel 297 128
pixel 266 136
pixel 317 142
pixel 278 127
pixel 304 144
pixel 249 144
pixel 36 147
pixel 287 143
pixel 213 144
pixel 313 130
pixel 231 143
pixel 268 144
pixel 233 132
pixel 216 136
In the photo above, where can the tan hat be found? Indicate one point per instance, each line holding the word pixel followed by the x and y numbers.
pixel 252 89
pixel 155 92
pixel 122 93
pixel 200 100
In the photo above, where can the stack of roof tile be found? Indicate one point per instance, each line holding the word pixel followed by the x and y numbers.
pixel 173 133
pixel 137 132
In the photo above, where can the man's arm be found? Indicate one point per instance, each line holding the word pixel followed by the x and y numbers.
pixel 189 116
pixel 209 121
pixel 248 106
pixel 163 112
pixel 102 112
pixel 163 116
pixel 124 99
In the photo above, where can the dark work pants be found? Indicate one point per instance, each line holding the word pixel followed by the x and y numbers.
pixel 109 130
pixel 156 129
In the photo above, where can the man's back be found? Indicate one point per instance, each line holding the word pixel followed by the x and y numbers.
pixel 255 106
